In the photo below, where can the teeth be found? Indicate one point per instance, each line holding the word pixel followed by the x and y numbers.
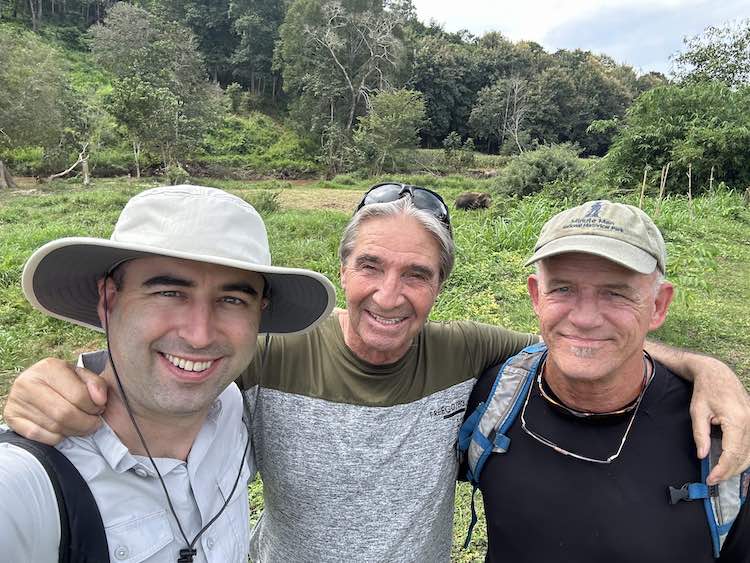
pixel 387 321
pixel 188 365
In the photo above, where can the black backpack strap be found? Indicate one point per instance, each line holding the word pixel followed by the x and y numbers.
pixel 82 536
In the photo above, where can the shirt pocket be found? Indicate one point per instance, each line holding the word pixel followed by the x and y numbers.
pixel 138 538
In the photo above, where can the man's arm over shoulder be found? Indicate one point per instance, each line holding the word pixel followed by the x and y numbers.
pixel 29 517
pixel 489 344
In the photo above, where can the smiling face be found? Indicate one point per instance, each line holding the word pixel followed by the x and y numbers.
pixel 594 316
pixel 180 331
pixel 390 281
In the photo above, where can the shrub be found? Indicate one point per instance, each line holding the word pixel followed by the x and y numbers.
pixel 259 144
pixel 266 201
pixel 23 161
pixel 458 155
pixel 529 172
pixel 703 128
pixel 176 174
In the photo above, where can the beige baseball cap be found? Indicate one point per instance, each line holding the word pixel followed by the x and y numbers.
pixel 618 232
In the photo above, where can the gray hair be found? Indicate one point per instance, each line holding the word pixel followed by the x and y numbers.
pixel 403 206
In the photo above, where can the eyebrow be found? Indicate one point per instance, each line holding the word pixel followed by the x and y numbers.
pixel 618 286
pixel 365 258
pixel 241 287
pixel 416 268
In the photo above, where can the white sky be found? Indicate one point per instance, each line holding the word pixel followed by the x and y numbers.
pixel 641 33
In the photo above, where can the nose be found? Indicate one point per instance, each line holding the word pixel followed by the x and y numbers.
pixel 389 294
pixel 585 313
pixel 198 326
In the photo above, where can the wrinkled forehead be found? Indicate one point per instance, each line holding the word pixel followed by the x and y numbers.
pixel 399 242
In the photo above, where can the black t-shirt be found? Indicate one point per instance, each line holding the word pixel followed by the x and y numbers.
pixel 542 506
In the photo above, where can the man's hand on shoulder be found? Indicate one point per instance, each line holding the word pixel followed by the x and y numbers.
pixel 52 399
pixel 720 398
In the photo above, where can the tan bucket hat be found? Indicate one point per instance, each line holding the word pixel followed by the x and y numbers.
pixel 189 222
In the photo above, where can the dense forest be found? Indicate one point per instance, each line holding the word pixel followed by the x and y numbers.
pixel 301 87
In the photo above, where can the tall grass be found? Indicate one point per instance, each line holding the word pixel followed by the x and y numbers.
pixel 708 243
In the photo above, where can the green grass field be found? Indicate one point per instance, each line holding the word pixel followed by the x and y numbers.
pixel 708 243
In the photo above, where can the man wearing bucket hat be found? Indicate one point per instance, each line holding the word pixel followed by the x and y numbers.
pixel 582 445
pixel 181 289
pixel 356 421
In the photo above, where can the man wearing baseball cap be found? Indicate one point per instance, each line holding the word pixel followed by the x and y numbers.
pixel 181 289
pixel 592 459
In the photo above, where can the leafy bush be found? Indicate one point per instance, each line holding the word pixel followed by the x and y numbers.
pixel 392 124
pixel 176 174
pixel 704 127
pixel 24 161
pixel 529 172
pixel 458 155
pixel 259 144
pixel 266 201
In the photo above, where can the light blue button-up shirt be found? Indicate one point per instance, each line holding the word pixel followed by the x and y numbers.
pixel 137 520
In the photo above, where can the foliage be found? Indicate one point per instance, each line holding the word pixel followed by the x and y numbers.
pixel 160 93
pixel 704 126
pixel 333 55
pixel 266 202
pixel 458 155
pixel 500 114
pixel 176 174
pixel 234 93
pixel 258 144
pixel 257 23
pixel 35 97
pixel 393 123
pixel 444 71
pixel 529 172
pixel 720 53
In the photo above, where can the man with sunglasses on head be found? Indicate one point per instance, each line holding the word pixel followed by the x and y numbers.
pixel 356 422
pixel 582 445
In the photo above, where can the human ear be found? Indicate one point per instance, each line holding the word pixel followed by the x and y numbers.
pixel 105 286
pixel 532 285
pixel 662 300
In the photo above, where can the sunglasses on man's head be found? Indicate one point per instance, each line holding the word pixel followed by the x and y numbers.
pixel 422 198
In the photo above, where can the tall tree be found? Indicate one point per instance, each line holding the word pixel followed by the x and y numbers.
pixel 501 113
pixel 212 25
pixel 160 79
pixel 701 127
pixel 257 23
pixel 392 125
pixel 719 53
pixel 334 55
pixel 446 71
pixel 34 95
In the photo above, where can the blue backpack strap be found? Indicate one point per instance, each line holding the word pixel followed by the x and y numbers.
pixel 484 431
pixel 722 502
pixel 82 535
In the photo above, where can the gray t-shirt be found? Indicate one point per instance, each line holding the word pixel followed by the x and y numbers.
pixel 358 461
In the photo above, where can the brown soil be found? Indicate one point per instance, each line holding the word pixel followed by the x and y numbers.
pixel 320 198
